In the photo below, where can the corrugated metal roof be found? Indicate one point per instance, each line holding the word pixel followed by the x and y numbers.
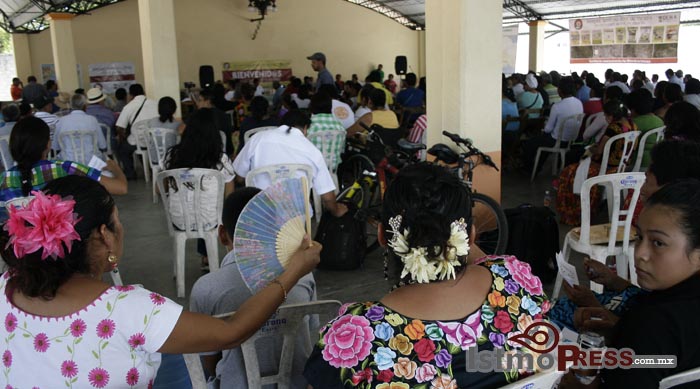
pixel 28 15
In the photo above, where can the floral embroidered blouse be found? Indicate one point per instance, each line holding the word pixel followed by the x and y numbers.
pixel 111 343
pixel 371 346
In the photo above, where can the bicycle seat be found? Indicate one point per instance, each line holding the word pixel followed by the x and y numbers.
pixel 409 146
pixel 443 153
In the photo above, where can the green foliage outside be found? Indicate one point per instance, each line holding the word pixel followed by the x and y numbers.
pixel 5 42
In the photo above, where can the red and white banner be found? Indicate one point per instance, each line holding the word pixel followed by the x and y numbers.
pixel 112 75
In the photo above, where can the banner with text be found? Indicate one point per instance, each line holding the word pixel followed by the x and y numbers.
pixel 651 38
pixel 510 48
pixel 266 70
pixel 112 75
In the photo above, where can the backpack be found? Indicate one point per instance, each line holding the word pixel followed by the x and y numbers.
pixel 344 241
pixel 533 237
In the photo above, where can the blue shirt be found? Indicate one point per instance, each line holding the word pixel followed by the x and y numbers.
pixel 510 108
pixel 103 114
pixel 410 97
pixel 584 94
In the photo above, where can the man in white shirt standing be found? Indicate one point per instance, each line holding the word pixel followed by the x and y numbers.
pixel 288 145
pixel 671 75
pixel 137 109
pixel 568 106
pixel 78 120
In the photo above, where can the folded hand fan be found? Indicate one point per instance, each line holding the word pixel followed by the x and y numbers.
pixel 270 230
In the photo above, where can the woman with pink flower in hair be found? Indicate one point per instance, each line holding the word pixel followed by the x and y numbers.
pixel 451 298
pixel 65 327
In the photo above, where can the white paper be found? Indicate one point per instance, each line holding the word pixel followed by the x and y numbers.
pixel 567 270
pixel 98 164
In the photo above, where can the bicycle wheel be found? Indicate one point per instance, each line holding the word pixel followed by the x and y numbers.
pixel 490 224
pixel 350 171
pixel 360 197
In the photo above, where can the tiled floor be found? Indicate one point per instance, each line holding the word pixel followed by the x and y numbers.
pixel 148 250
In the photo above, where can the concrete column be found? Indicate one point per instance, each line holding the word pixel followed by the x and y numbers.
pixel 464 61
pixel 421 53
pixel 159 47
pixel 536 44
pixel 60 26
pixel 23 58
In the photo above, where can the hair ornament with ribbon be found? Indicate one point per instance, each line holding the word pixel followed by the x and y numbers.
pixel 47 222
pixel 416 260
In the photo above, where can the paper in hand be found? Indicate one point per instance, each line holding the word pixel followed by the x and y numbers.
pixel 567 270
pixel 98 164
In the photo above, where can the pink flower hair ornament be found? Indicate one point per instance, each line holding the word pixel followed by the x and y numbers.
pixel 47 222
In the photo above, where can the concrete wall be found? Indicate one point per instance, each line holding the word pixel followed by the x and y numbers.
pixel 211 32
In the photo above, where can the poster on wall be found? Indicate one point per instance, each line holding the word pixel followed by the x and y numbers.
pixel 112 75
pixel 651 38
pixel 266 70
pixel 48 72
pixel 510 48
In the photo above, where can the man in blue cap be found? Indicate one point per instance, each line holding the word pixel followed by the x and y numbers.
pixel 318 63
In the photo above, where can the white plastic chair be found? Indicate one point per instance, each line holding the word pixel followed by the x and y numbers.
pixel 685 377
pixel 83 145
pixel 579 239
pixel 659 134
pixel 140 131
pixel 329 140
pixel 254 131
pixel 543 380
pixel 108 138
pixel 629 138
pixel 185 186
pixel 294 315
pixel 280 172
pixel 557 149
pixel 159 141
pixel 5 155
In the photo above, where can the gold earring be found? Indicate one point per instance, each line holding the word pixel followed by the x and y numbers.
pixel 112 259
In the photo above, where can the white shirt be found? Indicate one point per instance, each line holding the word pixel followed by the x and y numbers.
pixel 207 206
pixel 229 95
pixel 343 113
pixel 259 90
pixel 518 89
pixel 362 111
pixel 49 118
pixel 276 146
pixel 650 86
pixel 693 99
pixel 128 115
pixel 621 85
pixel 78 120
pixel 301 103
pixel 676 80
pixel 560 111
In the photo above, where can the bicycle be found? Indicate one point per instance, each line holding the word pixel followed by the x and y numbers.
pixel 488 217
pixel 364 176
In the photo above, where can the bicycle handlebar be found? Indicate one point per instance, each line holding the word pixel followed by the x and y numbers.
pixel 473 150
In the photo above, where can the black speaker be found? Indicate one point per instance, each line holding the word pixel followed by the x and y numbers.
pixel 401 64
pixel 206 76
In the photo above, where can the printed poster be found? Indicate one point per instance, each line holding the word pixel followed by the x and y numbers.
pixel 112 75
pixel 48 72
pixel 650 38
pixel 266 70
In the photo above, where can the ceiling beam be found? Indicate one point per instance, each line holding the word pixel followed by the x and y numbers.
pixel 521 10
pixel 613 10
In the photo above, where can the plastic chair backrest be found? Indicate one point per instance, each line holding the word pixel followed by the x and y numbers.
pixel 140 131
pixel 108 136
pixel 189 182
pixel 575 121
pixel 591 118
pixel 629 138
pixel 617 183
pixel 160 140
pixel 254 131
pixel 329 140
pixel 5 154
pixel 223 139
pixel 83 145
pixel 292 316
pixel 659 133
pixel 279 172
pixel 691 375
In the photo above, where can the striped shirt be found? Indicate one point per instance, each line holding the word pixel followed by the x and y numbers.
pixel 327 122
pixel 42 172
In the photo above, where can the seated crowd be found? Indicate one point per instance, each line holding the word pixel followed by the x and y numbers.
pixel 416 336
